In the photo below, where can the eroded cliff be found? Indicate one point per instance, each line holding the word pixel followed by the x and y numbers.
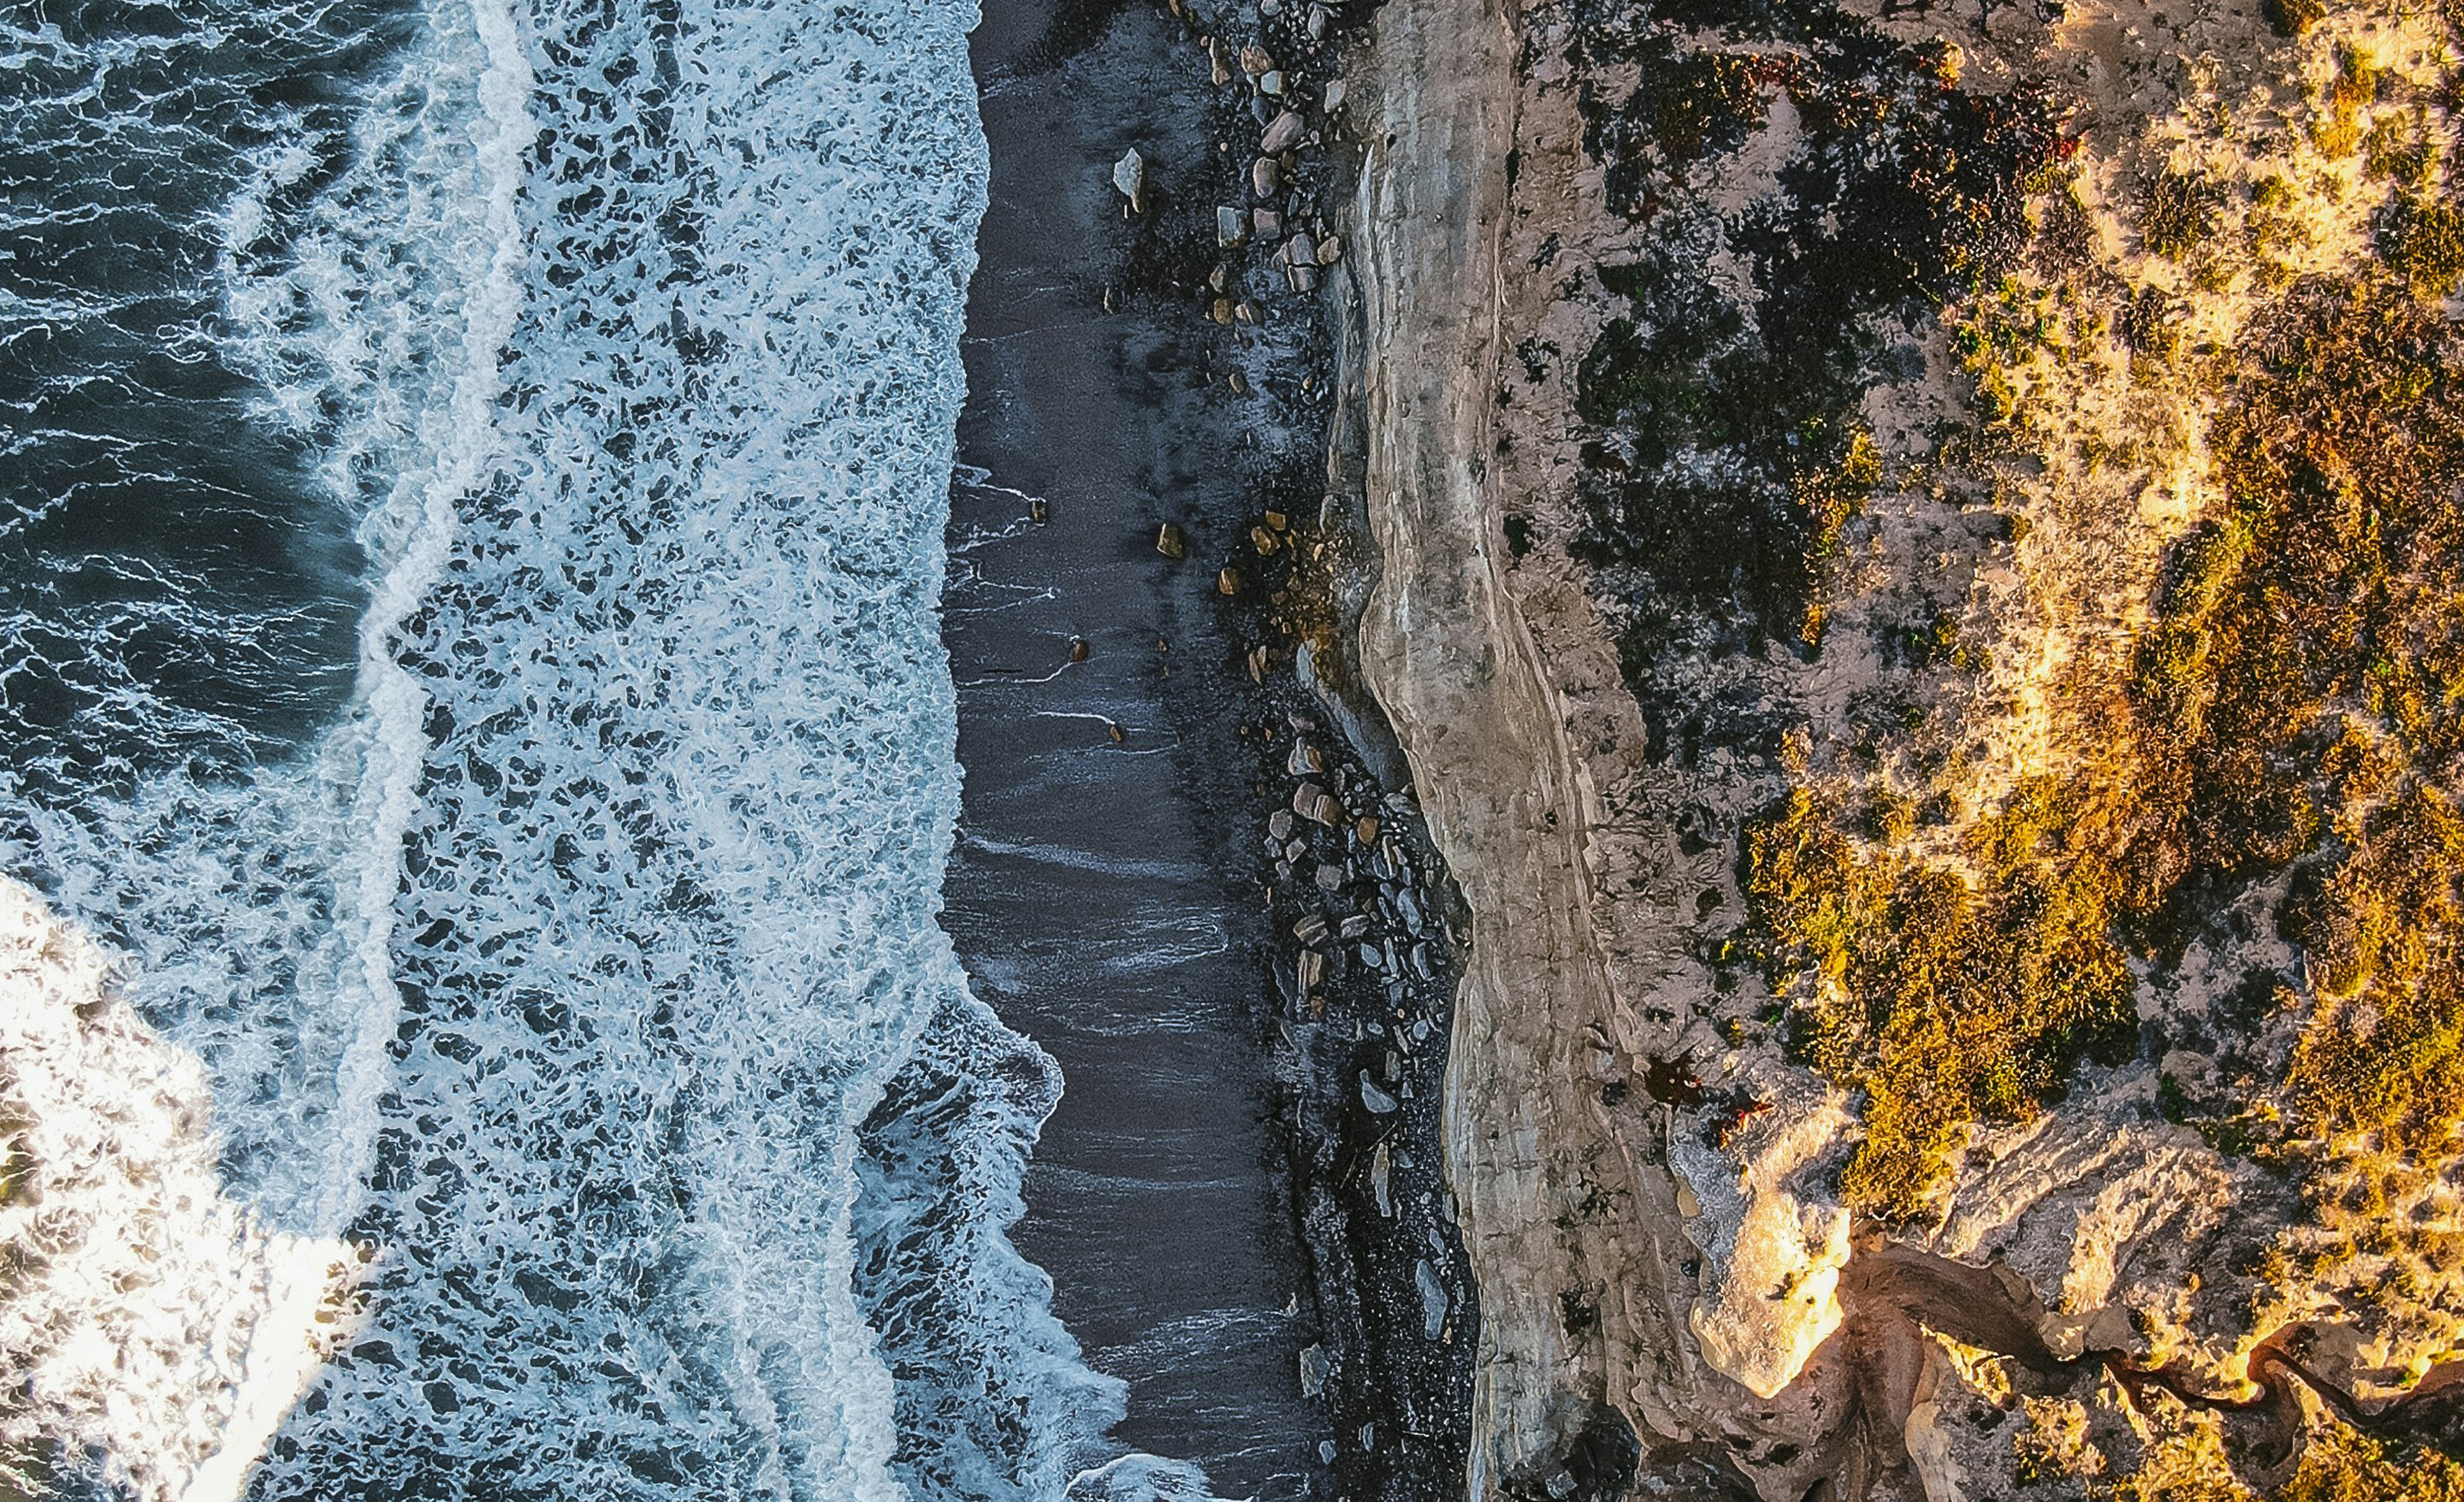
pixel 1910 556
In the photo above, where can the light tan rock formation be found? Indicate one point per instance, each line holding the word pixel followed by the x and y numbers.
pixel 1444 652
pixel 1571 1223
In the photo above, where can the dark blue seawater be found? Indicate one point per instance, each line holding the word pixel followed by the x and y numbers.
pixel 470 532
pixel 176 586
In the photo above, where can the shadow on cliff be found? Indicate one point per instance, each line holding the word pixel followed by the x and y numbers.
pixel 1889 1291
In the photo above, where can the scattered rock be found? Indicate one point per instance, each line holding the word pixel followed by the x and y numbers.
pixel 1305 759
pixel 1434 1303
pixel 1130 176
pixel 1231 226
pixel 1256 62
pixel 1227 582
pixel 1271 83
pixel 1079 649
pixel 1284 133
pixel 1406 904
pixel 1314 1370
pixel 1379 1102
pixel 1365 830
pixel 1266 177
pixel 1169 541
pixel 1330 250
pixel 1279 823
pixel 1311 929
pixel 1382 1175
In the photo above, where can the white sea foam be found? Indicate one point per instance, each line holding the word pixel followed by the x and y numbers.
pixel 589 969
pixel 141 1299
pixel 394 704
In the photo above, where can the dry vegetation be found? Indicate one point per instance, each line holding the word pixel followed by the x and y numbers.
pixel 2084 572
pixel 2296 703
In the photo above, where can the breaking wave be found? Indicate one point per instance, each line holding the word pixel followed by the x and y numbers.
pixel 470 542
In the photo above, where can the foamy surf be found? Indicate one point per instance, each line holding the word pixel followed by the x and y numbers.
pixel 140 1299
pixel 566 933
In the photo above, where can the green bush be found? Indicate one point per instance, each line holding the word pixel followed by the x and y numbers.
pixel 2424 241
pixel 2298 702
pixel 2293 17
pixel 2338 1465
pixel 1946 1005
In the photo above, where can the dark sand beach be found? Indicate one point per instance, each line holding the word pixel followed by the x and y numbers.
pixel 1095 895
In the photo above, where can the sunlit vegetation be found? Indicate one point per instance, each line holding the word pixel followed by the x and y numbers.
pixel 2424 242
pixel 2306 688
pixel 2298 702
pixel 2181 213
pixel 2294 17
pixel 2356 86
pixel 1948 1002
pixel 2341 1466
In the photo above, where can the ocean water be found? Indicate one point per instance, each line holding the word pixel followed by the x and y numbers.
pixel 475 744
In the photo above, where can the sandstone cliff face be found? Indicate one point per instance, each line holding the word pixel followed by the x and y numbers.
pixel 1445 657
pixel 1568 1221
pixel 1785 431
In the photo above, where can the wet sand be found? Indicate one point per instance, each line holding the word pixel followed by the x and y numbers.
pixel 1094 894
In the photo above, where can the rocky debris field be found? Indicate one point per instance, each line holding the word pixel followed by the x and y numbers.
pixel 1366 948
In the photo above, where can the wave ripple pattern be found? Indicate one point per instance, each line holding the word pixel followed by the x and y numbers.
pixel 584 967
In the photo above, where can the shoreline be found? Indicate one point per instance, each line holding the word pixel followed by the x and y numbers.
pixel 1188 865
pixel 1087 894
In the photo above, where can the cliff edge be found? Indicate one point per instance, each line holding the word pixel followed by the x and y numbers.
pixel 1910 548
